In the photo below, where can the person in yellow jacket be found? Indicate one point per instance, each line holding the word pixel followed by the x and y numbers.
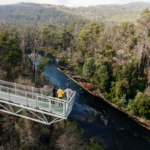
pixel 60 93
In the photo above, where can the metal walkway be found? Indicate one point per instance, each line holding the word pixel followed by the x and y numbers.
pixel 34 100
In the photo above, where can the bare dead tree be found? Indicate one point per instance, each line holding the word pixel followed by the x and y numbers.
pixel 34 40
pixel 22 36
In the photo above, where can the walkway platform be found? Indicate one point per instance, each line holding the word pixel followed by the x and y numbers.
pixel 35 101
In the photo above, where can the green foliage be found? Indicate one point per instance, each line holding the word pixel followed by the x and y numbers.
pixel 117 72
pixel 108 45
pixel 123 99
pixel 120 88
pixel 93 146
pixel 110 53
pixel 79 70
pixel 90 54
pixel 41 67
pixel 88 67
pixel 10 51
pixel 101 78
pixel 70 54
pixel 141 106
pixel 125 80
pixel 145 12
pixel 130 71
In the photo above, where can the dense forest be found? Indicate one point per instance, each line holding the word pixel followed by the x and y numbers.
pixel 41 14
pixel 114 57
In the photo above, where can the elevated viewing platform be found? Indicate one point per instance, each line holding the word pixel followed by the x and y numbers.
pixel 34 100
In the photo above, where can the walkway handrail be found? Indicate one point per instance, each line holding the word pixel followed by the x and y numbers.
pixel 61 100
pixel 33 89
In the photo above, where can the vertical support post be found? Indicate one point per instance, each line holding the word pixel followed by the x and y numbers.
pixel 8 94
pixel 0 87
pixel 32 92
pixel 36 100
pixel 42 94
pixel 49 105
pixel 64 108
pixel 15 90
pixel 41 91
pixel 26 100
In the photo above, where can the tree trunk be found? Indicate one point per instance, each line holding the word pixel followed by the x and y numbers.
pixel 34 65
pixel 13 73
pixel 23 54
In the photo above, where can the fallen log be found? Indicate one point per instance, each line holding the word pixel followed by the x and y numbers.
pixel 79 77
pixel 68 72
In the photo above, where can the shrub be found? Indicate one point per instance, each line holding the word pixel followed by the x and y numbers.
pixel 88 67
pixel 141 106
pixel 101 78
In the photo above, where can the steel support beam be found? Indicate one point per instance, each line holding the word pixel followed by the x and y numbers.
pixel 32 109
pixel 40 120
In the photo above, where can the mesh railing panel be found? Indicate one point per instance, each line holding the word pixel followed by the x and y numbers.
pixel 71 102
pixel 57 107
pixel 43 103
pixel 25 88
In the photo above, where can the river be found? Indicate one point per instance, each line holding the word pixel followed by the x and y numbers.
pixel 100 122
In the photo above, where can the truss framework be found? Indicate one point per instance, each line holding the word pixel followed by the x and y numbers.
pixel 39 119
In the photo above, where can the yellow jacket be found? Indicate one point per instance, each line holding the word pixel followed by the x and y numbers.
pixel 60 93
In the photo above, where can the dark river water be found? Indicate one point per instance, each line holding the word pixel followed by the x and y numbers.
pixel 101 123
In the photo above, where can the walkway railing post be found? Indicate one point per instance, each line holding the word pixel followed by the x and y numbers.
pixel 15 89
pixel 41 92
pixel 49 105
pixel 8 94
pixel 64 108
pixel 26 99
pixel 0 87
pixel 32 92
pixel 36 100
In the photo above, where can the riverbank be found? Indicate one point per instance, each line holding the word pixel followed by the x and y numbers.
pixel 67 71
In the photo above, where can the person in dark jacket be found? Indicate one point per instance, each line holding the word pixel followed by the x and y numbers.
pixel 53 93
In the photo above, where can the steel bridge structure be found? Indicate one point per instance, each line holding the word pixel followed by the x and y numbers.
pixel 14 98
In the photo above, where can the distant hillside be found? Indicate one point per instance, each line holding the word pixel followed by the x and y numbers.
pixel 112 12
pixel 40 14
pixel 36 14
